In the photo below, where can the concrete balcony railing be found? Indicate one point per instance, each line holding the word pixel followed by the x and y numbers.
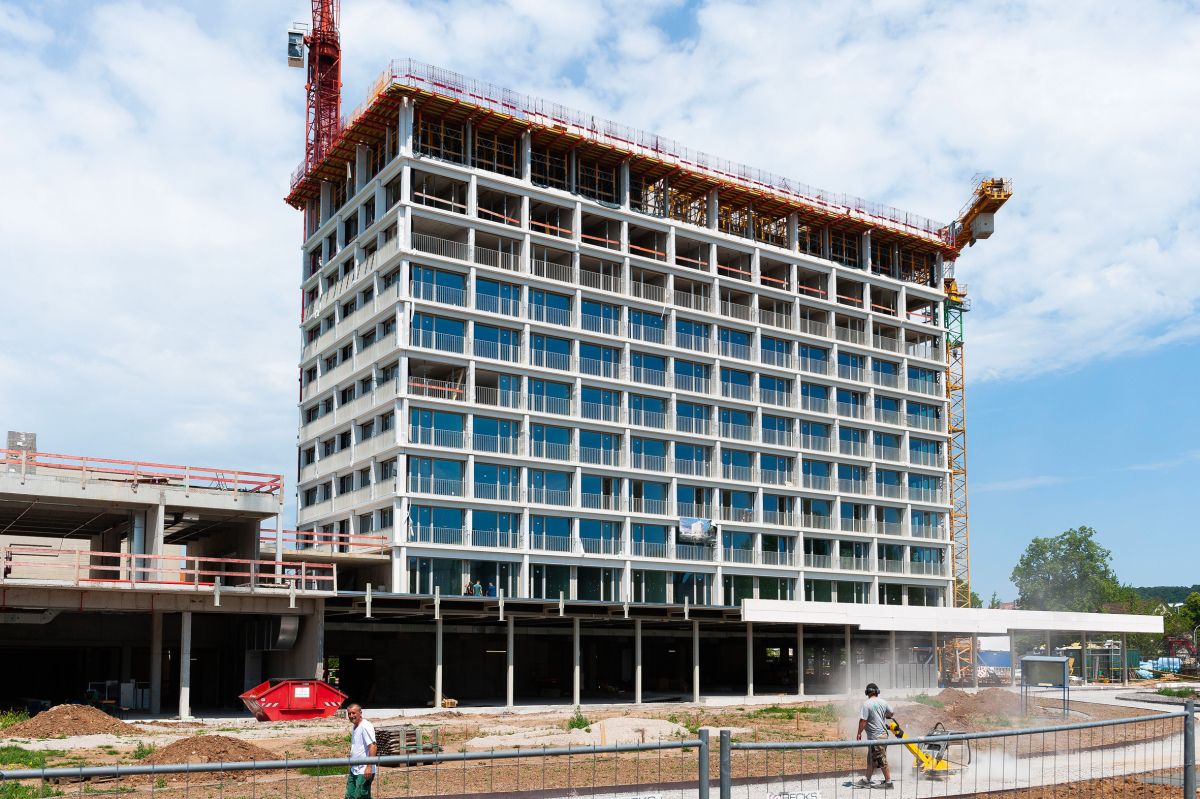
pixel 928 532
pixel 818 561
pixel 445 248
pixel 923 569
pixel 352 498
pixel 314 511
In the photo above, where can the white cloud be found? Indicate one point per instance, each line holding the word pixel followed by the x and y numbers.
pixel 1019 484
pixel 150 265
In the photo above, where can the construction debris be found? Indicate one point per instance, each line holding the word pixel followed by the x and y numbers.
pixel 209 749
pixel 406 740
pixel 69 720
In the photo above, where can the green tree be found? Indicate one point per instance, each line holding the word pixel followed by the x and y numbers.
pixel 994 602
pixel 1069 572
pixel 1190 612
pixel 976 602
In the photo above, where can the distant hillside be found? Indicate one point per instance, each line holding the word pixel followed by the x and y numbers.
pixel 1167 593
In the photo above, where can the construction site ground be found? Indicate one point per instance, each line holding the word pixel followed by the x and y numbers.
pixel 239 739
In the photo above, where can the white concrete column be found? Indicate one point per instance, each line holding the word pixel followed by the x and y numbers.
pixel 156 625
pixel 509 684
pixel 185 665
pixel 749 658
pixel 1083 657
pixel 892 644
pixel 637 661
pixel 575 675
pixel 1124 663
pixel 696 660
pixel 1012 655
pixel 799 660
pixel 437 672
pixel 849 664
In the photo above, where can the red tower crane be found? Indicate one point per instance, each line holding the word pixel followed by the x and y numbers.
pixel 324 85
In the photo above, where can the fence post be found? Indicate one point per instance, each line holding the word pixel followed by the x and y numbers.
pixel 726 769
pixel 1189 750
pixel 702 772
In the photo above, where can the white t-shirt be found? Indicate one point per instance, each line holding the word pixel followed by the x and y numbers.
pixel 360 744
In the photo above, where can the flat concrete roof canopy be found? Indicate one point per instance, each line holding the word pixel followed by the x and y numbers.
pixel 969 621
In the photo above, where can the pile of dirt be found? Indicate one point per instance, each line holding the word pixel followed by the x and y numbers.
pixel 208 749
pixel 70 720
pixel 990 709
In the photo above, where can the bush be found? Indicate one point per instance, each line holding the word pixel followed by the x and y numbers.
pixel 578 721
pixel 1183 693
pixel 11 717
pixel 925 699
pixel 143 750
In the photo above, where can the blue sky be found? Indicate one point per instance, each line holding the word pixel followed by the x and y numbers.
pixel 151 266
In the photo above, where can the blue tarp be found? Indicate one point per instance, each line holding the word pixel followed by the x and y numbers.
pixel 996 660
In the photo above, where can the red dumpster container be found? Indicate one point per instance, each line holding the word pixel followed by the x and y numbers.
pixel 278 699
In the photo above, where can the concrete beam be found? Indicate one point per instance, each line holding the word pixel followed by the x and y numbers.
pixel 161 597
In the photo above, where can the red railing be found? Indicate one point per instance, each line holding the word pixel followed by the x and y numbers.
pixel 301 540
pixel 195 572
pixel 140 473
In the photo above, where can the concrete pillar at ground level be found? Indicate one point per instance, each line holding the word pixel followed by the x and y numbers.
pixel 892 657
pixel 185 665
pixel 508 701
pixel 575 656
pixel 1012 657
pixel 156 630
pixel 437 669
pixel 1049 651
pixel 696 660
pixel 637 661
pixel 308 653
pixel 799 660
pixel 155 526
pixel 749 658
pixel 1124 661
pixel 974 661
pixel 936 660
pixel 849 664
pixel 1083 664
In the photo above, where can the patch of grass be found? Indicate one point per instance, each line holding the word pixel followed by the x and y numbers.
pixel 327 740
pixel 11 717
pixel 17 757
pixel 143 750
pixel 578 721
pixel 1183 693
pixel 927 700
pixel 15 790
pixel 820 713
pixel 324 771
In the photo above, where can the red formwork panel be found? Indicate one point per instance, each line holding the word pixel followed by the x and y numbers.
pixel 276 700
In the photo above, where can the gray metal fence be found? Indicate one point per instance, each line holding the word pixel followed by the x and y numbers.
pixel 1145 757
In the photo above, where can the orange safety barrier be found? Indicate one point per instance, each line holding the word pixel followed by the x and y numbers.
pixel 130 565
pixel 647 249
pixel 145 473
pixel 814 292
pixel 437 199
pixel 601 238
pixel 548 227
pixel 507 219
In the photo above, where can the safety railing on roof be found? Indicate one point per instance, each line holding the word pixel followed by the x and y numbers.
pixel 411 73
pixel 302 540
pixel 135 473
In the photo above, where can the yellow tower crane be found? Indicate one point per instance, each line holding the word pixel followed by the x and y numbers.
pixel 975 221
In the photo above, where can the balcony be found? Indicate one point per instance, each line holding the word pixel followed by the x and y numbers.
pixel 504 445
pixel 314 511
pixel 852 486
pixel 742 515
pixel 928 531
pixel 600 501
pixel 551 450
pixel 779 518
pixel 926 569
pixel 693 468
pixel 889 566
pixel 814 404
pixel 496 258
pixel 432 292
pixel 919 458
pixel 695 302
pixel 510 353
pixel 887 416
pixel 600 412
pixel 929 495
pixel 429 436
pixel 778 559
pixel 443 342
pixel 738 432
pixel 814 521
pixel 735 310
pixel 889 490
pixel 548 314
pixel 550 543
pixel 649 377
pixel 654 507
pixel 736 391
pixel 436 389
pixel 889 528
pixel 499 398
pixel 498 305
pixel 742 473
pixel 816 443
pixel 497 491
pixel 600 457
pixel 560 406
pixel 550 360
pixel 546 496
pixel 649 549
pixel 598 280
pixel 779 438
pixel 647 333
pixel 599 324
pixel 885 343
pixel 435 535
pixel 850 336
pixel 696 552
pixel 783 360
pixel 817 482
pixel 730 555
pixel 776 477
pixel 855 449
pixel 601 546
pixel 886 379
pixel 691 424
pixel 697 385
pixel 775 319
pixel 436 486
pixel 730 350
pixel 818 561
pixel 854 564
pixel 647 291
pixel 781 399
pixel 694 511
pixel 848 524
pixel 652 419
pixel 928 387
pixel 847 372
pixel 445 248
pixel 495 539
pixel 813 328
pixel 887 453
pixel 563 273
pixel 814 365
pixel 651 463
pixel 851 410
